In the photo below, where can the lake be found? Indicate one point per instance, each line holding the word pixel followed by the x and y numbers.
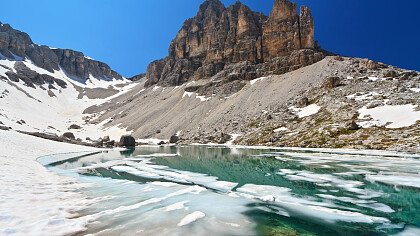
pixel 215 190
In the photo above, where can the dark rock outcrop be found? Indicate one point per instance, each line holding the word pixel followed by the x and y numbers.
pixel 74 126
pixel 235 43
pixel 127 141
pixel 174 139
pixel 69 135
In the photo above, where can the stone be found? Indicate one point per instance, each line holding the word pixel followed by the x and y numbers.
pixel 374 104
pixel 74 126
pixel 106 139
pixel 332 82
pixel 390 74
pixel 2 127
pixel 161 143
pixel 174 139
pixel 303 102
pixel 352 125
pixel 127 141
pixel 69 135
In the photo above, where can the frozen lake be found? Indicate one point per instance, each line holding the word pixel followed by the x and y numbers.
pixel 205 190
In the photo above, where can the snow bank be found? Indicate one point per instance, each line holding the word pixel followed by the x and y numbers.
pixel 35 201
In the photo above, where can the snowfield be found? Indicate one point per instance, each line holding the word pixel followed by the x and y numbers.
pixel 53 111
pixel 33 200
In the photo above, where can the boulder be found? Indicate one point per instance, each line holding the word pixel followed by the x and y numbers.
pixel 161 143
pixel 352 125
pixel 374 104
pixel 127 141
pixel 69 135
pixel 303 102
pixel 174 139
pixel 74 127
pixel 2 127
pixel 332 82
pixel 106 139
pixel 391 74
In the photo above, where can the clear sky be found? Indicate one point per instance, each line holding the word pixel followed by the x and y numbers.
pixel 128 34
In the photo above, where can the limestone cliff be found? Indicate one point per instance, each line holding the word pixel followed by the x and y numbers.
pixel 224 40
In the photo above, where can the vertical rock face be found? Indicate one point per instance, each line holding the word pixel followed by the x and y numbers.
pixel 218 37
pixel 281 31
pixel 15 44
pixel 307 28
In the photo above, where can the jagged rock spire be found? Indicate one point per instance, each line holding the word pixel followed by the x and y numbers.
pixel 218 36
pixel 283 9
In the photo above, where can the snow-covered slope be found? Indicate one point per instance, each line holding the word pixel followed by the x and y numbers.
pixel 50 108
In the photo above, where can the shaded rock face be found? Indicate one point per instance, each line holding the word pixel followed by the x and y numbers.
pixel 218 37
pixel 76 64
pixel 32 78
pixel 17 45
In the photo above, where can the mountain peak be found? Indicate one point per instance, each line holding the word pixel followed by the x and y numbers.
pixel 283 9
pixel 210 7
pixel 219 37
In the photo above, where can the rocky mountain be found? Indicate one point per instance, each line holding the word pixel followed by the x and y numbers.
pixel 46 90
pixel 234 44
pixel 17 45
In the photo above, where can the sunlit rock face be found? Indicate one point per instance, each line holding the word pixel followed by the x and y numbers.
pixel 218 37
pixel 17 45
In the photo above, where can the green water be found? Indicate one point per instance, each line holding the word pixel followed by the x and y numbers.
pixel 247 191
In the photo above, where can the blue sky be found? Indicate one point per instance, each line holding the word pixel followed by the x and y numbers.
pixel 128 34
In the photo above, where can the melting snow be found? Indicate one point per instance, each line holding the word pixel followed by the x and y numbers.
pixel 281 129
pixel 189 94
pixel 398 116
pixel 416 90
pixel 305 111
pixel 257 79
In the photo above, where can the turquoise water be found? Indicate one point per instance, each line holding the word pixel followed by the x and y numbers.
pixel 203 190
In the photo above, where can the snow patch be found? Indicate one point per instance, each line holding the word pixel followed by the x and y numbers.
pixel 361 96
pixel 416 90
pixel 257 79
pixel 189 94
pixel 305 111
pixel 398 116
pixel 281 129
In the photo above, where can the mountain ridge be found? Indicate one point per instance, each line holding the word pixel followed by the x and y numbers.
pixel 17 45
